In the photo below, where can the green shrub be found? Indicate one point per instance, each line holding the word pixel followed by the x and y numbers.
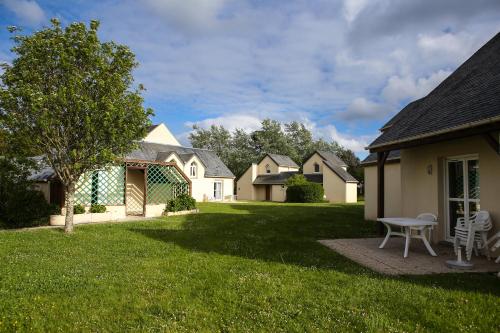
pixel 20 204
pixel 78 209
pixel 182 202
pixel 98 209
pixel 25 208
pixel 310 192
pixel 297 179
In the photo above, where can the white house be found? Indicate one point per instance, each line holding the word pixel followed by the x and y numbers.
pixel 210 178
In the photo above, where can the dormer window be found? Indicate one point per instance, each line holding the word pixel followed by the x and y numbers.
pixel 316 167
pixel 193 170
pixel 268 168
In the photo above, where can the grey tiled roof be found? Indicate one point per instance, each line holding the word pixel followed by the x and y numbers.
pixel 314 177
pixel 152 127
pixel 149 151
pixel 274 179
pixel 214 167
pixel 469 95
pixel 281 178
pixel 394 155
pixel 331 157
pixel 346 176
pixel 283 160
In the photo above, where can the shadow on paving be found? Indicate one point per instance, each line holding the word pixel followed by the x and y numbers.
pixel 288 235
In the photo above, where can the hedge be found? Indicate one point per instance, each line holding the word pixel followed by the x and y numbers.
pixel 311 192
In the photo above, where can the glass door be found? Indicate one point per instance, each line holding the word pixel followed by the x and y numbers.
pixel 218 190
pixel 462 190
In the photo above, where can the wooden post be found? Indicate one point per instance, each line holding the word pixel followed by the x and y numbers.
pixel 381 158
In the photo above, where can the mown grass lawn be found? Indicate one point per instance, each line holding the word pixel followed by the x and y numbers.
pixel 233 267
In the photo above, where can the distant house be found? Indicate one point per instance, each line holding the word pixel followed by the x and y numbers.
pixel 449 149
pixel 265 181
pixel 158 170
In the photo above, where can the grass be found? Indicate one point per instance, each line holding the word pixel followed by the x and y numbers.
pixel 233 267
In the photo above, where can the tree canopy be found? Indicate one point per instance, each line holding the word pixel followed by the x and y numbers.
pixel 239 149
pixel 70 97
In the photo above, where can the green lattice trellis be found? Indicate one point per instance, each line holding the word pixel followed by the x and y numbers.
pixel 104 187
pixel 107 186
pixel 164 182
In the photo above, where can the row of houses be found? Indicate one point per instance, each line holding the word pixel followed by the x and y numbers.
pixel 161 168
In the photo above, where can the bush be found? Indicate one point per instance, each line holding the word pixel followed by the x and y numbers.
pixel 182 202
pixel 25 208
pixel 310 192
pixel 78 209
pixel 297 179
pixel 20 204
pixel 98 209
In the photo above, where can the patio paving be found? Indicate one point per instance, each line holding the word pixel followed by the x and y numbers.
pixel 389 260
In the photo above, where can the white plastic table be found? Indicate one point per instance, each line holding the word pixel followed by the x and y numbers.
pixel 406 224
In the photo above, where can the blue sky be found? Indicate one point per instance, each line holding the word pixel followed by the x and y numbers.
pixel 343 68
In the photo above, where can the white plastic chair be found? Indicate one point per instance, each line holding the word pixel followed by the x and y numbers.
pixel 473 233
pixel 496 245
pixel 425 217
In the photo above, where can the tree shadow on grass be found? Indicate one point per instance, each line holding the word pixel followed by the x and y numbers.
pixel 289 234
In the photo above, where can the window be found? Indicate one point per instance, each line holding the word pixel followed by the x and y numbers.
pixel 218 190
pixel 268 168
pixel 193 170
pixel 316 167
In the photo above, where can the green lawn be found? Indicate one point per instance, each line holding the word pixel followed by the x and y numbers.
pixel 233 267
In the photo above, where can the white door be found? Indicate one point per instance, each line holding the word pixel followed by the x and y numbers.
pixel 218 190
pixel 462 190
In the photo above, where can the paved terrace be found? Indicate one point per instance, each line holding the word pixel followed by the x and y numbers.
pixel 389 260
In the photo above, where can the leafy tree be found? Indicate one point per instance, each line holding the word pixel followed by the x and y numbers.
pixel 70 96
pixel 300 140
pixel 216 138
pixel 241 153
pixel 271 139
pixel 239 149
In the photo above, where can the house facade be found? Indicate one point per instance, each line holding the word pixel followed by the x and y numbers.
pixel 157 171
pixel 449 148
pixel 392 185
pixel 265 181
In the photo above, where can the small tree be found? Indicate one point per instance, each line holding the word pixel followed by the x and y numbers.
pixel 70 96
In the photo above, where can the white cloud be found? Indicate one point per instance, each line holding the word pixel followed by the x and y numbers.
pixel 400 89
pixel 230 122
pixel 27 10
pixel 190 16
pixel 354 142
pixel 452 47
pixel 362 109
pixel 235 62
pixel 352 8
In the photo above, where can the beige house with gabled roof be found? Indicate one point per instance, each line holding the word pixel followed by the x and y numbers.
pixel 449 148
pixel 265 180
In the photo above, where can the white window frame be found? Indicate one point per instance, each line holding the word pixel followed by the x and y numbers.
pixel 464 159
pixel 193 170
pixel 268 168
pixel 218 182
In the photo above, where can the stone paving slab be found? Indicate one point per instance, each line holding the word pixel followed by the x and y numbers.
pixel 389 260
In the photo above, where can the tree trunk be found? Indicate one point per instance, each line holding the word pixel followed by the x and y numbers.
pixel 70 203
